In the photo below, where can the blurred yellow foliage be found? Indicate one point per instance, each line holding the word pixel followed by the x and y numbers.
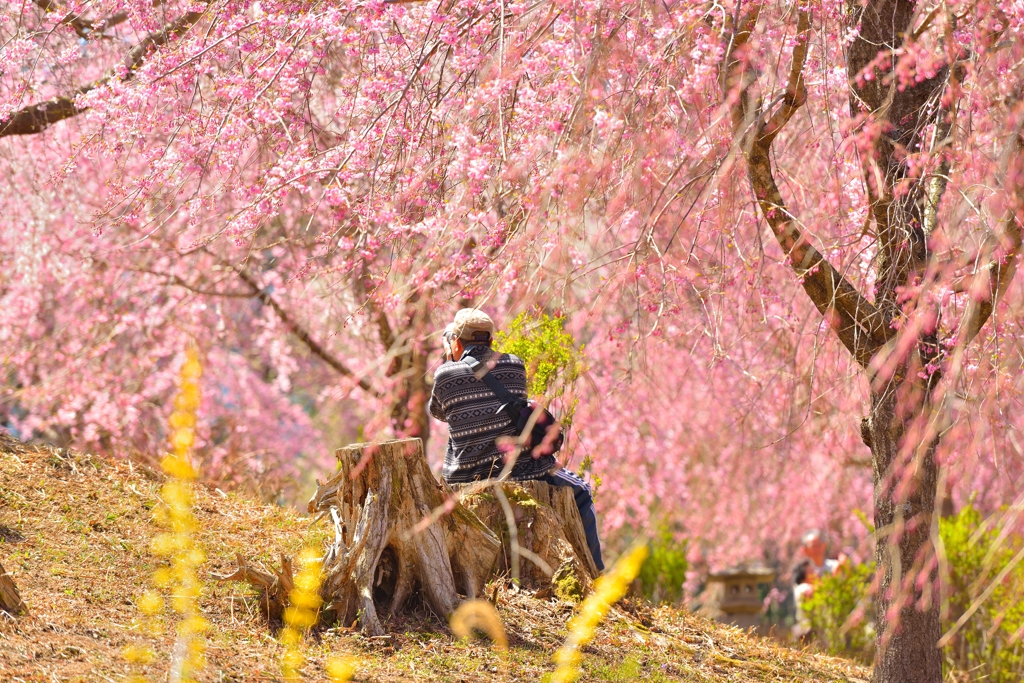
pixel 479 615
pixel 608 590
pixel 341 669
pixel 178 543
pixel 302 611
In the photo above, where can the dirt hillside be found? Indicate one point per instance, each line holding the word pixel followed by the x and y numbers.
pixel 74 535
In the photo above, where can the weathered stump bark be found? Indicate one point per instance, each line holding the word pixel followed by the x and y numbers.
pixel 397 531
pixel 547 527
pixel 10 599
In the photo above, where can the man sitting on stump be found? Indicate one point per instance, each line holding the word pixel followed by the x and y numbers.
pixel 471 409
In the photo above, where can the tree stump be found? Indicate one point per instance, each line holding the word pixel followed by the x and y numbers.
pixel 547 526
pixel 396 531
pixel 10 599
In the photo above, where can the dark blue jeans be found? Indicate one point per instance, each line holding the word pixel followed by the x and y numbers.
pixel 585 503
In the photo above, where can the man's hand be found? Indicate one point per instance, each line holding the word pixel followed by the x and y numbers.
pixel 446 339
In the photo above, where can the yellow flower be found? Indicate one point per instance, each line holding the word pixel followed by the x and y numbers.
pixel 299 617
pixel 138 654
pixel 177 495
pixel 302 611
pixel 150 603
pixel 178 467
pixel 290 636
pixel 182 439
pixel 192 368
pixel 178 542
pixel 306 601
pixel 180 418
pixel 162 577
pixel 163 544
pixel 193 624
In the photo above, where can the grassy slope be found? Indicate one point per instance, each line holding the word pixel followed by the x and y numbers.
pixel 74 534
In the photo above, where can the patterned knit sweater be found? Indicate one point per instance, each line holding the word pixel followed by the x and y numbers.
pixel 469 406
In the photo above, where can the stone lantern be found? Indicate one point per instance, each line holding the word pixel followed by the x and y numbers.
pixel 732 596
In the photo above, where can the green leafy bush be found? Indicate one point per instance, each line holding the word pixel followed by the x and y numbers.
pixel 988 646
pixel 553 363
pixel 840 611
pixel 663 574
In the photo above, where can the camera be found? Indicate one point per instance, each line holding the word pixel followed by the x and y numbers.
pixel 446 339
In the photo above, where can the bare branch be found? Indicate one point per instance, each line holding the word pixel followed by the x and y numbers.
pixel 999 273
pixel 184 284
pixel 387 335
pixel 37 117
pixel 735 78
pixel 796 93
pixel 1000 270
pixel 996 276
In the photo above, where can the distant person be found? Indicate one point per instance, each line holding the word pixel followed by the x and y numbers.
pixel 470 408
pixel 814 548
pixel 812 565
pixel 803 588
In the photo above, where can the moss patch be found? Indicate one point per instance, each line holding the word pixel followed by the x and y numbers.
pixel 519 496
pixel 566 584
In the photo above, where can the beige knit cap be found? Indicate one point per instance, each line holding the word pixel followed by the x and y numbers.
pixel 473 325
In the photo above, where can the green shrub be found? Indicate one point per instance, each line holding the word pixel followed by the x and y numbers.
pixel 836 598
pixel 988 646
pixel 553 364
pixel 664 572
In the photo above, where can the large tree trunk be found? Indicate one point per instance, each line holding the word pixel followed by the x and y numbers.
pixel 905 473
pixel 907 649
pixel 10 599
pixel 904 212
pixel 409 360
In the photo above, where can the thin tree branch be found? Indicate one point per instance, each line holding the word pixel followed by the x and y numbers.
pixel 387 335
pixel 796 92
pixel 319 351
pixel 856 321
pixel 184 284
pixel 37 117
pixel 85 28
pixel 1000 270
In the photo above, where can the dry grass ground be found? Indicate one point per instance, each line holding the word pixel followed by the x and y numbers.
pixel 74 534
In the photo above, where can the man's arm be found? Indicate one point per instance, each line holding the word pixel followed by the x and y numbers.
pixel 435 408
pixel 518 385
